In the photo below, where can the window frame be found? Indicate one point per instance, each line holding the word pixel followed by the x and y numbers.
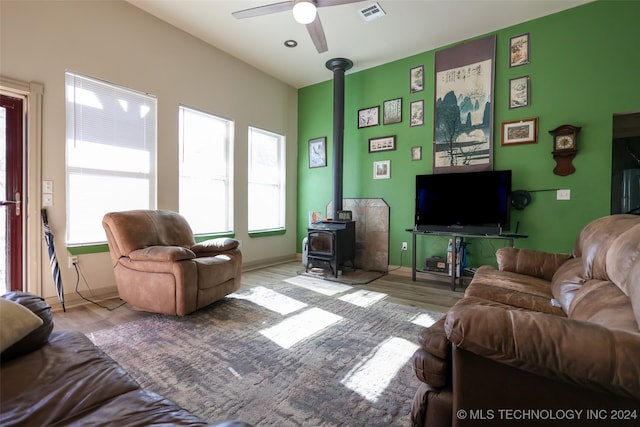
pixel 281 182
pixel 229 179
pixel 74 81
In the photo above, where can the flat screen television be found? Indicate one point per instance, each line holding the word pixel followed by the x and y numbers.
pixel 471 202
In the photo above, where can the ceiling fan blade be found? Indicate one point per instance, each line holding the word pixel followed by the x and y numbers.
pixel 317 35
pixel 325 3
pixel 263 10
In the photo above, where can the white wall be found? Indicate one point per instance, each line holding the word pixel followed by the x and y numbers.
pixel 116 42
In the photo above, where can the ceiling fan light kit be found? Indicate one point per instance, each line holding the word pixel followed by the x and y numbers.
pixel 304 12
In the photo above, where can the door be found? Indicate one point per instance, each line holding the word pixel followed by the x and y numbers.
pixel 11 194
pixel 625 164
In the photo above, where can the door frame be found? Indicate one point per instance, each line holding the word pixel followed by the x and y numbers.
pixel 14 180
pixel 32 92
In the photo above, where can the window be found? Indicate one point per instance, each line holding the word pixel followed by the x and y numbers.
pixel 206 171
pixel 110 154
pixel 266 180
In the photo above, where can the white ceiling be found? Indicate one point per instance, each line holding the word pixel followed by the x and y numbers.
pixel 409 27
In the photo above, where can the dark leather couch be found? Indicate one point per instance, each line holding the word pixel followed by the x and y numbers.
pixel 65 380
pixel 544 339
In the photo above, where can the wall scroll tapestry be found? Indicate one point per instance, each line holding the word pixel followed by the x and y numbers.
pixel 463 110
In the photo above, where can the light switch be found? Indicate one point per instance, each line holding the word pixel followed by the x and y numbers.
pixel 47 200
pixel 47 187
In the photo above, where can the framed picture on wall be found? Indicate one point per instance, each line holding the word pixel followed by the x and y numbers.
pixel 368 117
pixel 385 143
pixel 519 91
pixel 416 113
pixel 382 169
pixel 318 152
pixel 519 50
pixel 416 79
pixel 519 132
pixel 416 153
pixel 392 111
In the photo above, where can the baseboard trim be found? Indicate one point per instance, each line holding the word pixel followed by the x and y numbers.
pixel 74 299
pixel 268 262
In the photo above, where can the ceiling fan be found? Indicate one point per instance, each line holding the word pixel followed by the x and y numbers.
pixel 304 12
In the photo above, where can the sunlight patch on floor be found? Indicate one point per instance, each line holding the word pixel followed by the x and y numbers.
pixel 319 285
pixel 425 319
pixel 270 299
pixel 373 375
pixel 363 298
pixel 300 326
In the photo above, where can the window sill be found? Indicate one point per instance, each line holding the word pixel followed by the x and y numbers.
pixel 202 237
pixel 265 233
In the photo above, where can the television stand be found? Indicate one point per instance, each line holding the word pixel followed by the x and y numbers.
pixel 509 237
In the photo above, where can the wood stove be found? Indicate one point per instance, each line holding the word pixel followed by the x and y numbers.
pixel 331 245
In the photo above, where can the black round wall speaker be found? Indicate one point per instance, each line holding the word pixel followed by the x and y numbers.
pixel 520 199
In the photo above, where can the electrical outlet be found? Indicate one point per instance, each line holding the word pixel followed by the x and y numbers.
pixel 563 195
pixel 404 246
pixel 73 260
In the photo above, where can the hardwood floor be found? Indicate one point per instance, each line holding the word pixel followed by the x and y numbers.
pixel 431 295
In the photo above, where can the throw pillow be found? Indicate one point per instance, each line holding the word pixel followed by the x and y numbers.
pixel 16 322
pixel 36 338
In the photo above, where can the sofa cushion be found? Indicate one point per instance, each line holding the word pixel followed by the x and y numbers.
pixel 634 292
pixel 39 336
pixel 161 254
pixel 215 270
pixel 138 229
pixel 566 282
pixel 138 408
pixel 430 369
pixel 602 302
pixel 622 256
pixel 16 322
pixel 514 289
pixel 595 239
pixel 530 262
pixel 623 266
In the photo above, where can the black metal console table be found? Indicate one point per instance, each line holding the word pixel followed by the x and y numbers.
pixel 453 235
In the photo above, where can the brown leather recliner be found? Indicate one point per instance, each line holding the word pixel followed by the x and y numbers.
pixel 159 267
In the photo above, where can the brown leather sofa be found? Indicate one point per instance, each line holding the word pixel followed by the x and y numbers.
pixel 544 339
pixel 160 268
pixel 60 378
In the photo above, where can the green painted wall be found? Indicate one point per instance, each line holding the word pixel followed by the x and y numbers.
pixel 584 68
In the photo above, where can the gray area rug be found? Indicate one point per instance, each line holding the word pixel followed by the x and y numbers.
pixel 301 352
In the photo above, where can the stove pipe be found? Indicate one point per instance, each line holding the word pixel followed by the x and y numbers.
pixel 338 66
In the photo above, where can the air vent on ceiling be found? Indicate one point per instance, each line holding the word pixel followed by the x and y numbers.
pixel 371 12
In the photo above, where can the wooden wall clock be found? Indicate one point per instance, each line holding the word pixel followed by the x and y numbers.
pixel 565 148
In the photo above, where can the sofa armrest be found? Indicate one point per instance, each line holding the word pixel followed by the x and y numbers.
pixel 162 254
pixel 573 351
pixel 215 246
pixel 530 262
